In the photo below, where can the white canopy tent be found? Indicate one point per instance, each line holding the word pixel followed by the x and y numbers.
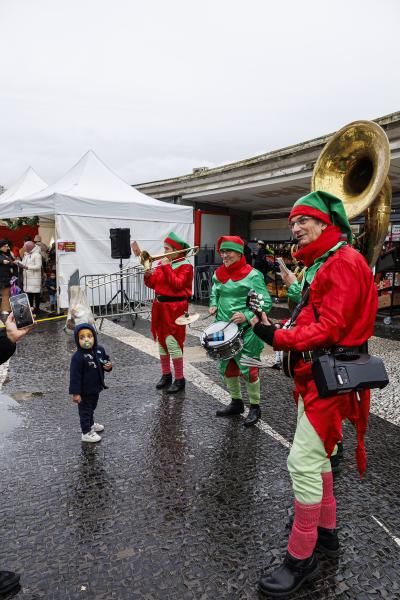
pixel 89 201
pixel 29 183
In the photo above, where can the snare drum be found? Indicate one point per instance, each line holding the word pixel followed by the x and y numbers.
pixel 224 349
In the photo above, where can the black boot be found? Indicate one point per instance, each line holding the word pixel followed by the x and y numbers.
pixel 290 576
pixel 236 407
pixel 253 416
pixel 8 581
pixel 340 450
pixel 177 386
pixel 165 380
pixel 335 464
pixel 327 542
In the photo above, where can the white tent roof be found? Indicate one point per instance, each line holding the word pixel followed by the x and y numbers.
pixel 91 189
pixel 28 184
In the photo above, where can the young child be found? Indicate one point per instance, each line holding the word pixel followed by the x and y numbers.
pixel 51 285
pixel 87 378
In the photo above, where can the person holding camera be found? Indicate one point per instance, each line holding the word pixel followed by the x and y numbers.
pixel 8 338
pixel 340 314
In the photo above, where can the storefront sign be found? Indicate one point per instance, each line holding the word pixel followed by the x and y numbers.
pixel 395 232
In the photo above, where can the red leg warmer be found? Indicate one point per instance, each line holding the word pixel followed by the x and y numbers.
pixel 304 531
pixel 165 364
pixel 327 517
pixel 178 367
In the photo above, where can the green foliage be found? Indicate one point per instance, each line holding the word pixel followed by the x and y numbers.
pixel 17 224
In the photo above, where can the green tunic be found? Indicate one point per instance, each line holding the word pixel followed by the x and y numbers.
pixel 231 297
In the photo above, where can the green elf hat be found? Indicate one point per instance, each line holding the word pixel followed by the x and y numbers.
pixel 327 208
pixel 230 242
pixel 176 242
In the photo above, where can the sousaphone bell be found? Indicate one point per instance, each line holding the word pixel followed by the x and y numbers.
pixel 354 166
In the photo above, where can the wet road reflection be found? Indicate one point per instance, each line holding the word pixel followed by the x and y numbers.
pixel 94 494
pixel 9 419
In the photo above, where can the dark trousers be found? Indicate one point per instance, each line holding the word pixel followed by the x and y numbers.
pixel 86 408
pixel 34 300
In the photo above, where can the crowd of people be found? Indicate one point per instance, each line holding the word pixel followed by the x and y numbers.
pixel 30 267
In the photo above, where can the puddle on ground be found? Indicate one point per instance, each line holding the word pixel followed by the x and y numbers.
pixel 25 396
pixel 9 420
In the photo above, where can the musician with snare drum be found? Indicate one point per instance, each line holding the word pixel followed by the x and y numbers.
pixel 231 284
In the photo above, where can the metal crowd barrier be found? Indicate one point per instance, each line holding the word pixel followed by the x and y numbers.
pixel 114 299
pixel 203 281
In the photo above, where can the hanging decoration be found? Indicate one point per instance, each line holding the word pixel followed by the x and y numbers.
pixel 17 224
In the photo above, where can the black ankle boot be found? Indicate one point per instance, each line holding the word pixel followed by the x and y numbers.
pixel 236 407
pixel 290 576
pixel 165 380
pixel 340 450
pixel 327 542
pixel 177 386
pixel 8 581
pixel 335 464
pixel 253 416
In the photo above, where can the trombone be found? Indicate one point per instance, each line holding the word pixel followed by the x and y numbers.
pixel 146 262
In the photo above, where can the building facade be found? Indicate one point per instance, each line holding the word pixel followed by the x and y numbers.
pixel 256 194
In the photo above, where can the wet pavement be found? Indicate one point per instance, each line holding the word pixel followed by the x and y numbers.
pixel 173 503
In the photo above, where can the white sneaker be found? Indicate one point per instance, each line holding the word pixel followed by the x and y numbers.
pixel 90 437
pixel 97 427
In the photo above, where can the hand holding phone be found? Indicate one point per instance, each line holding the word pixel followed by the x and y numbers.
pixel 282 264
pixel 12 332
pixel 22 311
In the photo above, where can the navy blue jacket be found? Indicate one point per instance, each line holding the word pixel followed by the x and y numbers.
pixel 86 371
pixel 51 282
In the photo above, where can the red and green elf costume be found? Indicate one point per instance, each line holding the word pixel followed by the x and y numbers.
pixel 343 293
pixel 169 281
pixel 229 294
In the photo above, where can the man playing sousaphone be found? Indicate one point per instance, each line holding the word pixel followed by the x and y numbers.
pixel 340 314
pixel 231 284
pixel 172 282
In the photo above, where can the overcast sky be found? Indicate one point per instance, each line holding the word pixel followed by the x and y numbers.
pixel 157 87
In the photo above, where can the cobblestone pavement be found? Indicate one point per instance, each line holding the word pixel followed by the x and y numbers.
pixel 173 503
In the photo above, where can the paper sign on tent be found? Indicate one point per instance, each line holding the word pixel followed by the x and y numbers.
pixel 135 248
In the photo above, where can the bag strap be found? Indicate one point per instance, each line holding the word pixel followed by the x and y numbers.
pixel 315 313
pixel 303 302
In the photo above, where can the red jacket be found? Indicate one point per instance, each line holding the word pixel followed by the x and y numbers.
pixel 345 298
pixel 167 281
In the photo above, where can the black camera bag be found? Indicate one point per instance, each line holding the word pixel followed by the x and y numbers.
pixel 339 370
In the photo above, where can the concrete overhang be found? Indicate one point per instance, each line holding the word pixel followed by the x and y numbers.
pixel 270 182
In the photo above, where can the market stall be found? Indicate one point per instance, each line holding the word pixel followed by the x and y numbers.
pixel 85 204
pixel 29 183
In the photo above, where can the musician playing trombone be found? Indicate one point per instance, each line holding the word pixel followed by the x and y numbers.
pixel 231 283
pixel 172 282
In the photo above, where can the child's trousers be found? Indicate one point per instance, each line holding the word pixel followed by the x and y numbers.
pixel 86 408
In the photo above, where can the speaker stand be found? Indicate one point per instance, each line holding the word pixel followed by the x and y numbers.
pixel 125 302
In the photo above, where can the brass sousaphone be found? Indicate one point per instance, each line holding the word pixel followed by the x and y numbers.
pixel 354 166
